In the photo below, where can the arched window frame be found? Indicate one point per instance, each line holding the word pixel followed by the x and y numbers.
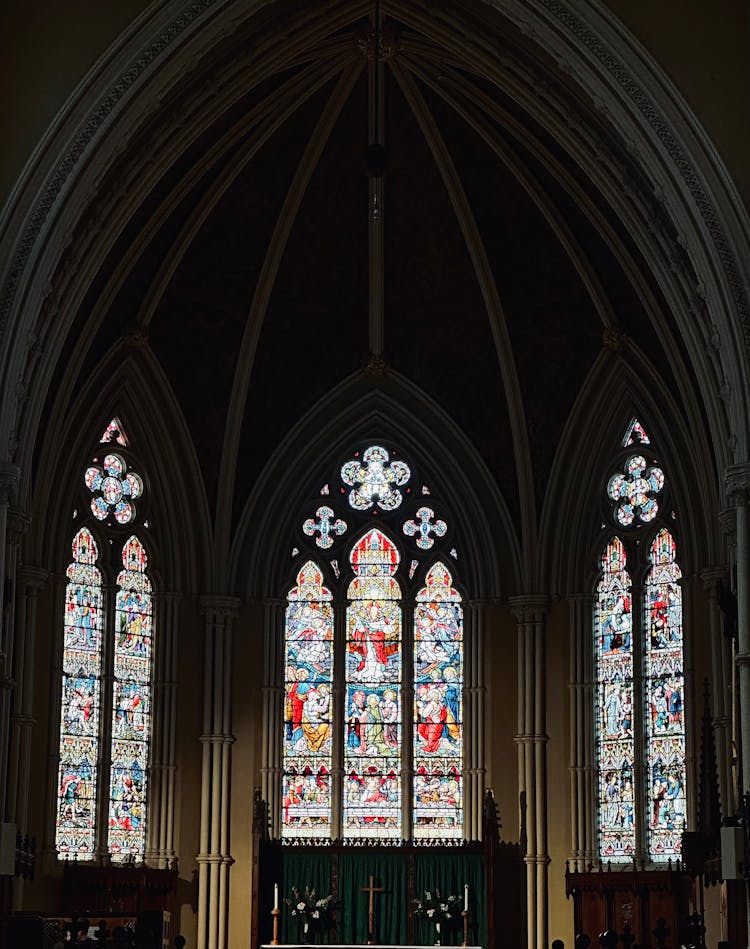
pixel 429 541
pixel 118 819
pixel 637 540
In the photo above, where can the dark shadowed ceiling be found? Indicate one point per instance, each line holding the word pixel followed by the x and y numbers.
pixel 247 269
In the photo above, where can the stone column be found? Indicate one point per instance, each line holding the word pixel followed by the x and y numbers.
pixel 164 703
pixel 721 688
pixel 474 718
pixel 583 808
pixel 31 582
pixel 9 478
pixel 214 859
pixel 273 707
pixel 530 612
pixel 738 490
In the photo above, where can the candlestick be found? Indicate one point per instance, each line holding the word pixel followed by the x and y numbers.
pixel 465 915
pixel 466 897
pixel 275 913
pixel 276 896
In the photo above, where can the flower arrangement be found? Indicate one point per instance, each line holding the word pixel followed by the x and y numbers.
pixel 437 908
pixel 309 911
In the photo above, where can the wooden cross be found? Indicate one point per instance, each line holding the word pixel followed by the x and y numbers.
pixel 372 890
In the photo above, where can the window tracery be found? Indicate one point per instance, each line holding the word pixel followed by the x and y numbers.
pixel 639 671
pixel 401 650
pixel 106 639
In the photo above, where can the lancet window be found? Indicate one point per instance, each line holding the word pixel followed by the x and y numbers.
pixel 373 659
pixel 106 666
pixel 638 644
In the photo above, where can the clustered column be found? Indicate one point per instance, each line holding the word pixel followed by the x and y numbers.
pixel 273 696
pixel 9 476
pixel 721 688
pixel 474 736
pixel 738 489
pixel 214 859
pixel 530 613
pixel 161 832
pixel 581 732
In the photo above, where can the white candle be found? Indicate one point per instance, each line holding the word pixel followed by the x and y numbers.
pixel 466 897
pixel 276 896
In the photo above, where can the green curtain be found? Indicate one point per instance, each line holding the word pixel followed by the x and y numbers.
pixel 304 868
pixel 448 873
pixel 389 871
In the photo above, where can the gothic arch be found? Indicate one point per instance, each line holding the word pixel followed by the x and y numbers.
pixel 623 385
pixel 356 410
pixel 129 385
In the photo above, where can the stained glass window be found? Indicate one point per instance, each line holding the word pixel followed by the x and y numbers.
pixel 614 664
pixel 639 671
pixel 665 728
pixel 308 707
pixel 106 638
pixel 81 688
pixel 351 768
pixel 438 708
pixel 372 754
pixel 131 705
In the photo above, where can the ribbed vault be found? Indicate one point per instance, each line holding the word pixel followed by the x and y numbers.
pixel 231 234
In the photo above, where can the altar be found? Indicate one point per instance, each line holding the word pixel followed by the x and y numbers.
pixel 375 892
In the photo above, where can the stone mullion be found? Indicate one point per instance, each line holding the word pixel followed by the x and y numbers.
pixel 340 712
pixel 106 688
pixel 406 704
pixel 273 712
pixel 214 859
pixel 641 795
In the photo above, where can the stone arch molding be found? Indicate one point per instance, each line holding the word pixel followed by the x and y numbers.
pixel 392 409
pixel 703 271
pixel 620 386
pixel 128 385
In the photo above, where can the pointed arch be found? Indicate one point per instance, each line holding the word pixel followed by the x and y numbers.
pixel 77 784
pixel 309 707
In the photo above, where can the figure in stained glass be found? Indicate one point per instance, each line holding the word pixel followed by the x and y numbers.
pixel 375 480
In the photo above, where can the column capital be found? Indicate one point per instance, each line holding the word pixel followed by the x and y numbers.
pixel 219 608
pixel 529 606
pixel 18 522
pixel 34 579
pixel 10 475
pixel 711 577
pixel 728 522
pixel 737 483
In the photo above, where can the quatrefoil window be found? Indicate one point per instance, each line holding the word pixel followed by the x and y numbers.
pixel 375 480
pixel 634 491
pixel 114 489
pixel 325 527
pixel 423 525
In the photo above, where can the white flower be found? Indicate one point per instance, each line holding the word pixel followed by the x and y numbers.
pixel 430 912
pixel 444 907
pixel 316 914
pixel 300 906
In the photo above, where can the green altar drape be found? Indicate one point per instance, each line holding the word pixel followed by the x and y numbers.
pixel 448 873
pixel 302 867
pixel 389 871
pixel 446 870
